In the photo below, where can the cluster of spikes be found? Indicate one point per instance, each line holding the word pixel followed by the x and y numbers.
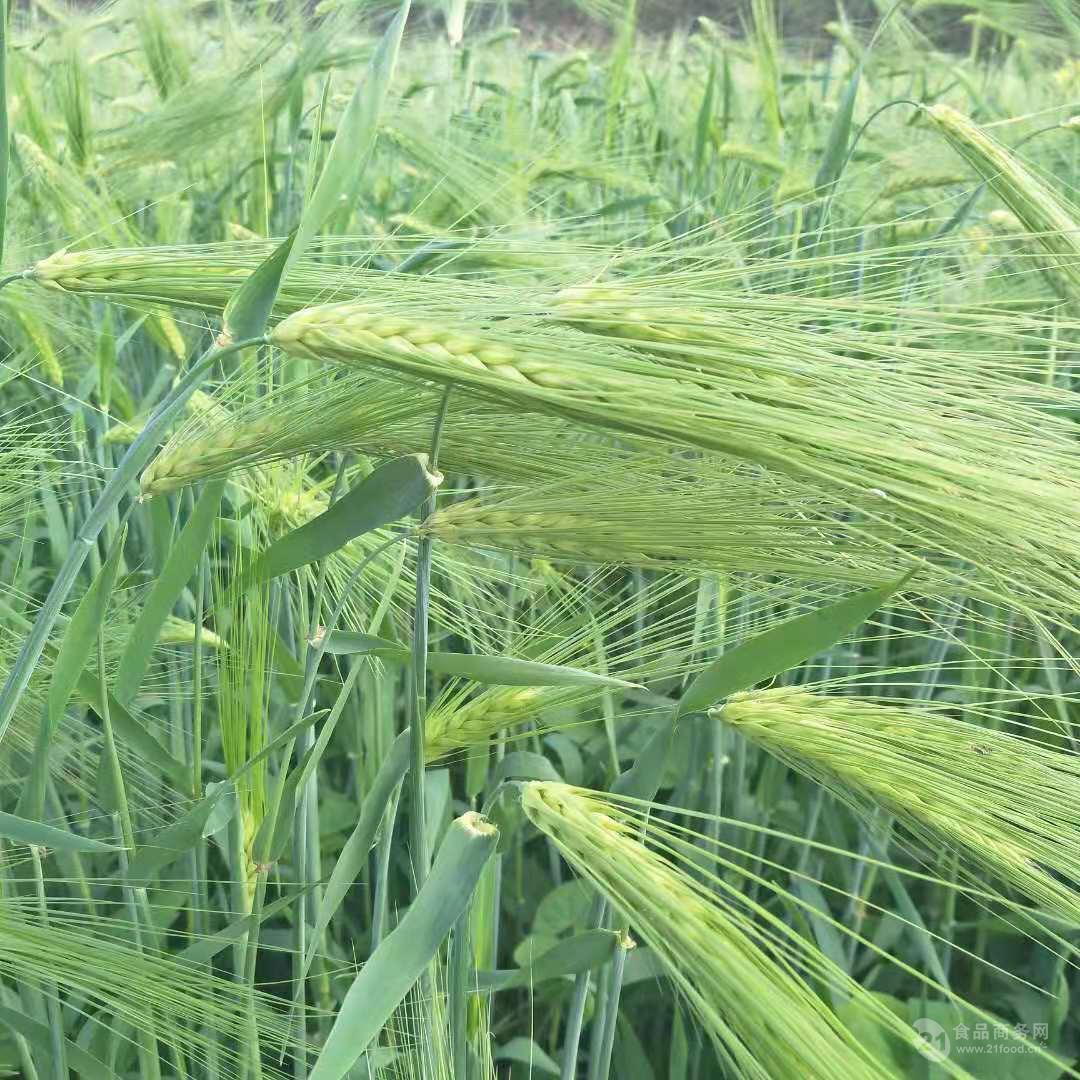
pixel 673 409
pixel 741 968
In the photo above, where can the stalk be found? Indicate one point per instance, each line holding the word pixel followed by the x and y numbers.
pixel 311 668
pixel 149 1063
pixel 135 898
pixel 417 819
pixel 600 1066
pixel 576 1015
pixel 458 992
pixel 138 453
pixel 253 1062
pixel 50 991
pixel 306 856
pixel 381 902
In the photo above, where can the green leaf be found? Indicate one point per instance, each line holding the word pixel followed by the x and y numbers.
pixel 525 1052
pixel 827 936
pixel 81 636
pixel 246 313
pixel 179 566
pixel 225 808
pixel 351 643
pixel 130 731
pixel 782 647
pixel 480 667
pixel 524 765
pixel 78 645
pixel 404 955
pixel 704 122
pixel 353 857
pixel 281 740
pixel 354 138
pixel 642 780
pixel 679 1055
pixel 203 950
pixel 836 146
pixel 393 490
pixel 37 834
pixel 564 907
pixel 582 952
pixel 275 830
pixel 507 671
pixel 176 840
pixel 40 1037
pixel 630 1060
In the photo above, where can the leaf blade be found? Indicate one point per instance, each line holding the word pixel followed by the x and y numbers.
pixel 394 489
pixel 181 563
pixel 37 834
pixel 405 953
pixel 354 139
pixel 782 647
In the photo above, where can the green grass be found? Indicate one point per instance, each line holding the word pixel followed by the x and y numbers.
pixel 523 561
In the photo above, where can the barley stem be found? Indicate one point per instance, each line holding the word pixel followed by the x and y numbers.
pixel 138 453
pixel 417 822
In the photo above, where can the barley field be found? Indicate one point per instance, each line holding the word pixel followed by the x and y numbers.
pixel 539 541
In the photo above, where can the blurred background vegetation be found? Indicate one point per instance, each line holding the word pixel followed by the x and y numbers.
pixel 802 25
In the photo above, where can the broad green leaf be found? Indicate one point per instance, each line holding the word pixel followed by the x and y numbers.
pixel 642 780
pixel 204 949
pixel 224 809
pixel 174 841
pixel 81 636
pixel 827 936
pixel 564 907
pixel 80 640
pixel 581 952
pixel 836 146
pixel 524 765
pixel 525 1052
pixel 393 490
pixel 643 965
pixel 354 139
pixel 782 647
pixel 508 671
pixel 56 524
pixel 480 667
pixel 919 934
pixel 179 566
pixel 37 834
pixel 276 828
pixel 249 308
pixel 438 810
pixel 279 741
pixel 40 1037
pixel 130 731
pixel 630 1059
pixel 882 1043
pixel 406 952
